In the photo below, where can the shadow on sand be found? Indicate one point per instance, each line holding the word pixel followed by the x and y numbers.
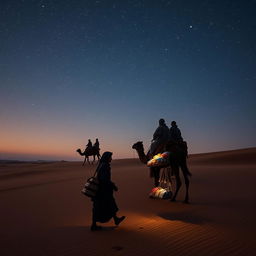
pixel 187 217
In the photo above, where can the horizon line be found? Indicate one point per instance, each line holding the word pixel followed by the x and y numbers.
pixel 124 158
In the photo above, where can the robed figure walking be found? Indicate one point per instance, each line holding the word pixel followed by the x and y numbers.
pixel 104 204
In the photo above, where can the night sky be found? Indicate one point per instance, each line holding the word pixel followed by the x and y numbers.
pixel 73 70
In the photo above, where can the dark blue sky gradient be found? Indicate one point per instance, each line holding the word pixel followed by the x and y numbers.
pixel 72 70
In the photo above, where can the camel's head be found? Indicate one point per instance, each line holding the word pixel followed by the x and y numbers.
pixel 138 145
pixel 78 150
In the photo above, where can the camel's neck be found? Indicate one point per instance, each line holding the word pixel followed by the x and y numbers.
pixel 80 152
pixel 143 158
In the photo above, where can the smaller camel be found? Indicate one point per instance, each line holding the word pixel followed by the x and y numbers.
pixel 177 161
pixel 89 152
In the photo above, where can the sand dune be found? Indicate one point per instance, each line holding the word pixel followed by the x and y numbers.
pixel 44 213
pixel 242 156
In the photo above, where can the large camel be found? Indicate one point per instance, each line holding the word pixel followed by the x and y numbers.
pixel 177 161
pixel 89 152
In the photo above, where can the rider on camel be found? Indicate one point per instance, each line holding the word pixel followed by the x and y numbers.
pixel 160 138
pixel 175 134
pixel 175 139
pixel 96 145
pixel 88 146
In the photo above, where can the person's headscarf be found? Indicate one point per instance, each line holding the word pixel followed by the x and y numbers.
pixel 105 157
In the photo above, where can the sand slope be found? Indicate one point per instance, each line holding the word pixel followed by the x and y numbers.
pixel 43 212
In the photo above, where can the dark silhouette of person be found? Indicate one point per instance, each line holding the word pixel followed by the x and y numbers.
pixel 175 133
pixel 104 204
pixel 176 141
pixel 97 144
pixel 160 138
pixel 89 145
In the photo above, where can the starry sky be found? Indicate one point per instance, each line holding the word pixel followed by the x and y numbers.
pixel 74 70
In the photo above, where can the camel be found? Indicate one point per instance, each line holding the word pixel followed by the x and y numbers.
pixel 89 152
pixel 177 161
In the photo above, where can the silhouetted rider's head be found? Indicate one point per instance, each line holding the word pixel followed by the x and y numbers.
pixel 173 123
pixel 161 121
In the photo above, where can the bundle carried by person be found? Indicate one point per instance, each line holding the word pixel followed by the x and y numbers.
pixel 166 187
pixel 159 160
pixel 91 186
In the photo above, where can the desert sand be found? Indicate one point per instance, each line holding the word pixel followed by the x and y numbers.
pixel 44 213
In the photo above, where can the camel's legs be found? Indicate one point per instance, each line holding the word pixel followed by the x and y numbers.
pixel 169 173
pixel 185 172
pixel 98 156
pixel 178 181
pixel 84 160
pixel 93 159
